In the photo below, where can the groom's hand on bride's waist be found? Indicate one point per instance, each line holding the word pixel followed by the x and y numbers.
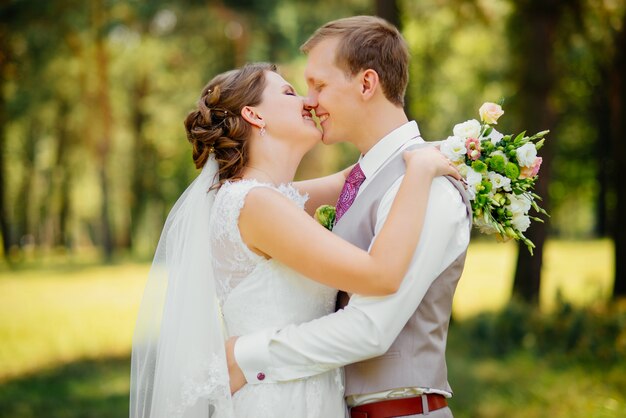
pixel 237 378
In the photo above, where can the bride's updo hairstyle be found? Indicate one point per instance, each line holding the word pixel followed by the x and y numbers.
pixel 217 125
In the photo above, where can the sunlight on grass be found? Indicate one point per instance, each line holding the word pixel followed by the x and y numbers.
pixel 523 386
pixel 582 271
pixel 52 317
pixel 57 316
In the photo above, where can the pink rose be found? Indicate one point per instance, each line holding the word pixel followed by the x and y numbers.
pixel 473 148
pixel 532 171
pixel 490 112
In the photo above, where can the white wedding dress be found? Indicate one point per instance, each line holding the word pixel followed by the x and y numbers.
pixel 255 293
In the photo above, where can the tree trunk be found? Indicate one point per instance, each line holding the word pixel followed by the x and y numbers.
pixel 62 178
pixel 618 127
pixel 389 10
pixel 105 117
pixel 602 115
pixel 141 184
pixel 24 224
pixel 4 213
pixel 533 33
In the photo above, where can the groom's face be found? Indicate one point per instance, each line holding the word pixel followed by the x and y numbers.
pixel 332 93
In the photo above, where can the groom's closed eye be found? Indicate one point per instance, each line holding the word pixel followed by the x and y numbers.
pixel 318 86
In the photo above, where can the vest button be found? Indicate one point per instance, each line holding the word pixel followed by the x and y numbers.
pixel 260 376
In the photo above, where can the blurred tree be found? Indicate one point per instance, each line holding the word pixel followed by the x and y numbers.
pixel 390 11
pixel 604 33
pixel 5 69
pixel 616 81
pixel 62 173
pixel 92 105
pixel 103 115
pixel 534 35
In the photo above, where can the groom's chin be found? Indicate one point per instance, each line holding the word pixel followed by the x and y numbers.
pixel 327 140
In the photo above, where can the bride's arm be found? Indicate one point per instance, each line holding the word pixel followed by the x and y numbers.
pixel 272 226
pixel 322 190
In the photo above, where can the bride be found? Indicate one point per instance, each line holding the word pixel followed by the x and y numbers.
pixel 240 252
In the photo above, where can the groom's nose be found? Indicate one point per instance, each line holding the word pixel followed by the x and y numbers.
pixel 310 102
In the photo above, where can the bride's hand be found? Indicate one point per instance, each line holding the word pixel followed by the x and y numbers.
pixel 432 161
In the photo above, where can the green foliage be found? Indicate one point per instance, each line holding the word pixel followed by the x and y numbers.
pixel 160 54
pixel 67 160
pixel 588 335
pixel 88 388
pixel 66 326
pixel 523 385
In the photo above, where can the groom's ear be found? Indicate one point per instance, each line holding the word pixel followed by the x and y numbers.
pixel 250 115
pixel 369 83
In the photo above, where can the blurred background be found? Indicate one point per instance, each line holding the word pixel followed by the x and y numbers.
pixel 93 154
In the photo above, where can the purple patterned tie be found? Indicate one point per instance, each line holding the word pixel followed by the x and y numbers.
pixel 349 191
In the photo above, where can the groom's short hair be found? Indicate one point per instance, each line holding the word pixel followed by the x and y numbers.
pixel 369 42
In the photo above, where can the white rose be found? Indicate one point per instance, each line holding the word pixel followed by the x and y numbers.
pixel 526 154
pixel 520 205
pixel 463 169
pixel 467 129
pixel 473 178
pixel 495 136
pixel 499 181
pixel 520 222
pixel 484 227
pixel 453 148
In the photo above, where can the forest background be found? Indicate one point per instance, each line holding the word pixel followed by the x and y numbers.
pixel 93 154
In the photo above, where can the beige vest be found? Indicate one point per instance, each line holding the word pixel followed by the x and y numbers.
pixel 417 356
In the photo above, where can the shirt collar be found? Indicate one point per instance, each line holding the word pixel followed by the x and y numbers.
pixel 386 147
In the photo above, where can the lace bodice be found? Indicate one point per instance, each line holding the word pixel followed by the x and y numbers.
pixel 255 292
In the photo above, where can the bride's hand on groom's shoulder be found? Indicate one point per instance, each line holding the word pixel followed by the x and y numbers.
pixel 237 378
pixel 431 160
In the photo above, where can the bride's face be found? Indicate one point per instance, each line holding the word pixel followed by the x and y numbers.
pixel 285 115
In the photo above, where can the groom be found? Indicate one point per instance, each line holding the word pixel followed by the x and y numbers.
pixel 357 72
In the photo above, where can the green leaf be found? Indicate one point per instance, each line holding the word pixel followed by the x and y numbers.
pixel 519 137
pixel 539 144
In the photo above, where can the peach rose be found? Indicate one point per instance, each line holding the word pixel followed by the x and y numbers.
pixel 490 112
pixel 532 171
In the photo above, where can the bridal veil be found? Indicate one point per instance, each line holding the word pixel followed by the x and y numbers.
pixel 178 366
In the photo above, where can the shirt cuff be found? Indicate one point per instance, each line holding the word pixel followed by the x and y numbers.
pixel 253 356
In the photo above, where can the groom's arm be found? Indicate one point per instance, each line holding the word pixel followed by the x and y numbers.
pixel 368 325
pixel 322 190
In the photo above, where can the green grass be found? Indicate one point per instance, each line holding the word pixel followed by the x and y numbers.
pixel 582 271
pixel 521 385
pixel 65 333
pixel 83 389
pixel 51 317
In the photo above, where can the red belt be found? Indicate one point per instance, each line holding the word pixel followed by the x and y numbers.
pixel 398 407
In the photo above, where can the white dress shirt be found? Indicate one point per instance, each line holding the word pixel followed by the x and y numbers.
pixel 368 325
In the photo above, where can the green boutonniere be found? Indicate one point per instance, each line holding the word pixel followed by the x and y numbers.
pixel 325 215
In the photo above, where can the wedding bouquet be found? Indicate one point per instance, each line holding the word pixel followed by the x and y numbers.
pixel 500 170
